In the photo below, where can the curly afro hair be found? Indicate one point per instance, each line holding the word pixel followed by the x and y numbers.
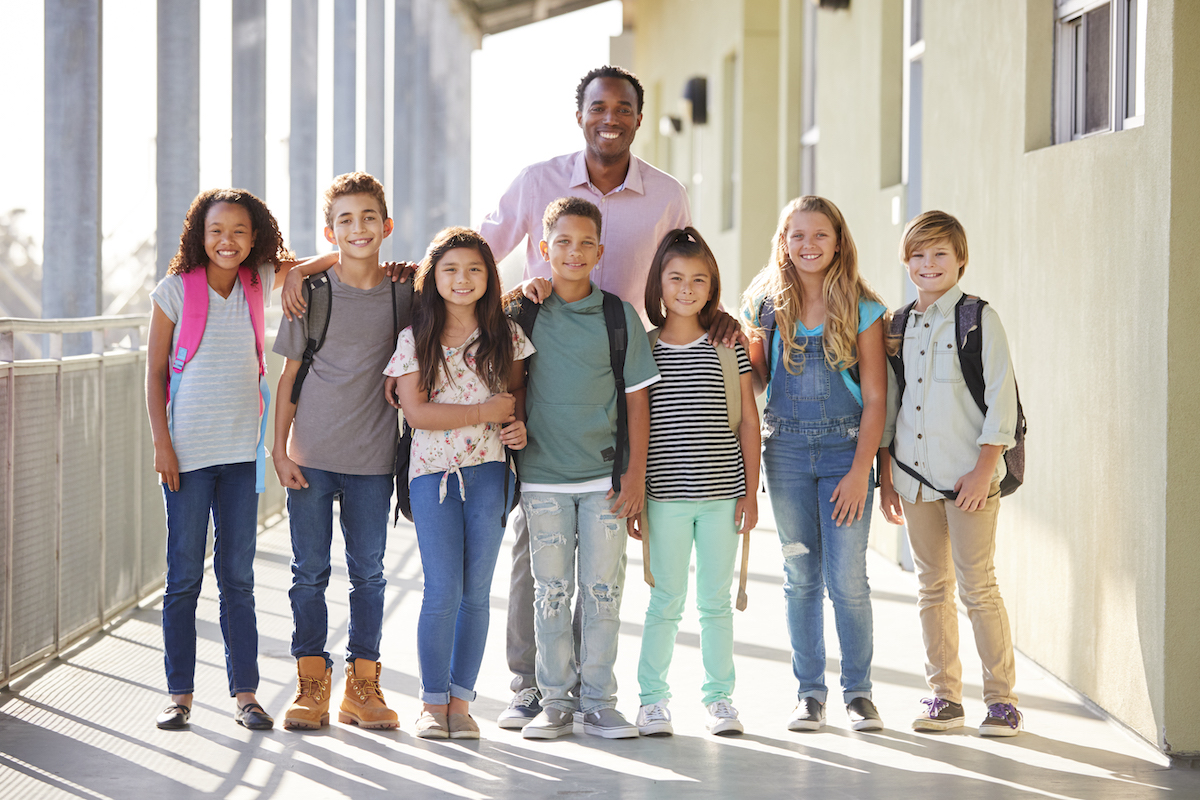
pixel 268 242
pixel 609 71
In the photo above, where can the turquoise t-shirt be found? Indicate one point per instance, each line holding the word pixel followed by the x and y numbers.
pixel 571 398
pixel 868 312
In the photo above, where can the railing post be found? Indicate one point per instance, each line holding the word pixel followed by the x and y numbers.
pixel 58 501
pixel 8 489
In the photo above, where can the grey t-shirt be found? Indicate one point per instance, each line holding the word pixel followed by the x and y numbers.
pixel 343 423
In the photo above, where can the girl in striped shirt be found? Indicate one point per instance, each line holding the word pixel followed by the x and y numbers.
pixel 701 480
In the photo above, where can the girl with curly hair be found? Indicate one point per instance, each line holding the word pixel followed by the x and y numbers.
pixel 205 422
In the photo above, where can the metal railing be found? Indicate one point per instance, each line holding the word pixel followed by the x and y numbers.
pixel 82 523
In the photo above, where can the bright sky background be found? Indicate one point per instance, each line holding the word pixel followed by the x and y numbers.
pixel 523 107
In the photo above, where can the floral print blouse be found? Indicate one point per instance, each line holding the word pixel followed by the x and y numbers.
pixel 448 451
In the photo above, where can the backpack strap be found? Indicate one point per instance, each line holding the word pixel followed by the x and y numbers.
pixel 402 297
pixel 733 384
pixel 192 321
pixel 766 321
pixel 618 342
pixel 968 335
pixel 523 311
pixel 318 297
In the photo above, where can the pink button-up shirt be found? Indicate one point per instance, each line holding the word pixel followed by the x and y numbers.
pixel 637 214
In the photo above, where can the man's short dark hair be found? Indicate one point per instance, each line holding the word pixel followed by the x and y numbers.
pixel 609 71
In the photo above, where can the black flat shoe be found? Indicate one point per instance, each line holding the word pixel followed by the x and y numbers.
pixel 254 717
pixel 173 718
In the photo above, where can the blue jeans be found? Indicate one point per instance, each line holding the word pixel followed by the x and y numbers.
pixel 803 465
pixel 365 501
pixel 558 523
pixel 227 490
pixel 459 541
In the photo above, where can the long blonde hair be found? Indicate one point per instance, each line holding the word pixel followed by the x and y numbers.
pixel 842 289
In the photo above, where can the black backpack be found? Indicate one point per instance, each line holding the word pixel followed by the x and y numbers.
pixel 318 294
pixel 968 333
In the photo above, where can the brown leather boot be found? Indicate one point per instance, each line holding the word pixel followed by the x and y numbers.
pixel 363 703
pixel 310 709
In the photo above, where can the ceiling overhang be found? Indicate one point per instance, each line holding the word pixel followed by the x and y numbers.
pixel 494 16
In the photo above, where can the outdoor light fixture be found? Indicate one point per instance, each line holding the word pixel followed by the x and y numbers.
pixel 669 125
pixel 696 91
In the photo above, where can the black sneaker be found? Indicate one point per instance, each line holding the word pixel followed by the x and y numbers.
pixel 939 715
pixel 808 716
pixel 863 715
pixel 1003 719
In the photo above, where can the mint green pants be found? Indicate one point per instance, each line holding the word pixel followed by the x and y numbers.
pixel 674 527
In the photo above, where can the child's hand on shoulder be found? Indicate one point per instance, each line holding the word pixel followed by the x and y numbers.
pixel 745 513
pixel 849 499
pixel 498 408
pixel 292 295
pixel 973 489
pixel 537 289
pixel 513 435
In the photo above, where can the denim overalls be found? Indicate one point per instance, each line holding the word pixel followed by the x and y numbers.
pixel 810 432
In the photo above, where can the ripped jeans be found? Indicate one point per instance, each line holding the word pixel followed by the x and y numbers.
pixel 558 525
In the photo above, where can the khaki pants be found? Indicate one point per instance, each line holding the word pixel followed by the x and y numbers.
pixel 948 543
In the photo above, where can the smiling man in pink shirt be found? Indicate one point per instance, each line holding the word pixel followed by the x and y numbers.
pixel 639 204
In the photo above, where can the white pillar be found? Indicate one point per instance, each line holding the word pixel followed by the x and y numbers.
pixel 345 87
pixel 250 95
pixel 402 134
pixel 375 56
pixel 71 276
pixel 302 139
pixel 178 138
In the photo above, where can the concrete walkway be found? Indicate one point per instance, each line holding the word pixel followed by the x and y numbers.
pixel 82 726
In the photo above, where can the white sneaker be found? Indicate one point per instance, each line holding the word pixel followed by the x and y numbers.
pixel 654 719
pixel 722 718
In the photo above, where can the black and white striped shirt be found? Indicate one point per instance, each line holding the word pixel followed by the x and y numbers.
pixel 693 453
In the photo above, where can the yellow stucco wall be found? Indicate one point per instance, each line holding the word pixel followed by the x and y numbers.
pixel 1088 250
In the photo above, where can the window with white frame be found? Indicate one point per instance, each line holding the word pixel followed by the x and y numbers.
pixel 1100 66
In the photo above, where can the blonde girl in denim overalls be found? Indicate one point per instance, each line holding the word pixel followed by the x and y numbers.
pixel 826 403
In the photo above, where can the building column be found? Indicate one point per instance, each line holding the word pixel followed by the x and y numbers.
pixel 302 138
pixel 71 278
pixel 345 86
pixel 420 126
pixel 402 133
pixel 177 152
pixel 250 95
pixel 375 89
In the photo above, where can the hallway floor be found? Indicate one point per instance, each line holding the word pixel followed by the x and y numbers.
pixel 82 726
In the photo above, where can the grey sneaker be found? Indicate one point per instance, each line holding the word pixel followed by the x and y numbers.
pixel 723 719
pixel 609 724
pixel 525 705
pixel 654 719
pixel 550 724
pixel 1003 719
pixel 939 715
pixel 808 716
pixel 863 715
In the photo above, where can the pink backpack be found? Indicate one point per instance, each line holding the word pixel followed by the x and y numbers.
pixel 191 332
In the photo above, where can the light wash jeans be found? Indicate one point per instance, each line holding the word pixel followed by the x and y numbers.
pixel 560 524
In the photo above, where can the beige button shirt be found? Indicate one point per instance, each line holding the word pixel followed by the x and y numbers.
pixel 939 429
